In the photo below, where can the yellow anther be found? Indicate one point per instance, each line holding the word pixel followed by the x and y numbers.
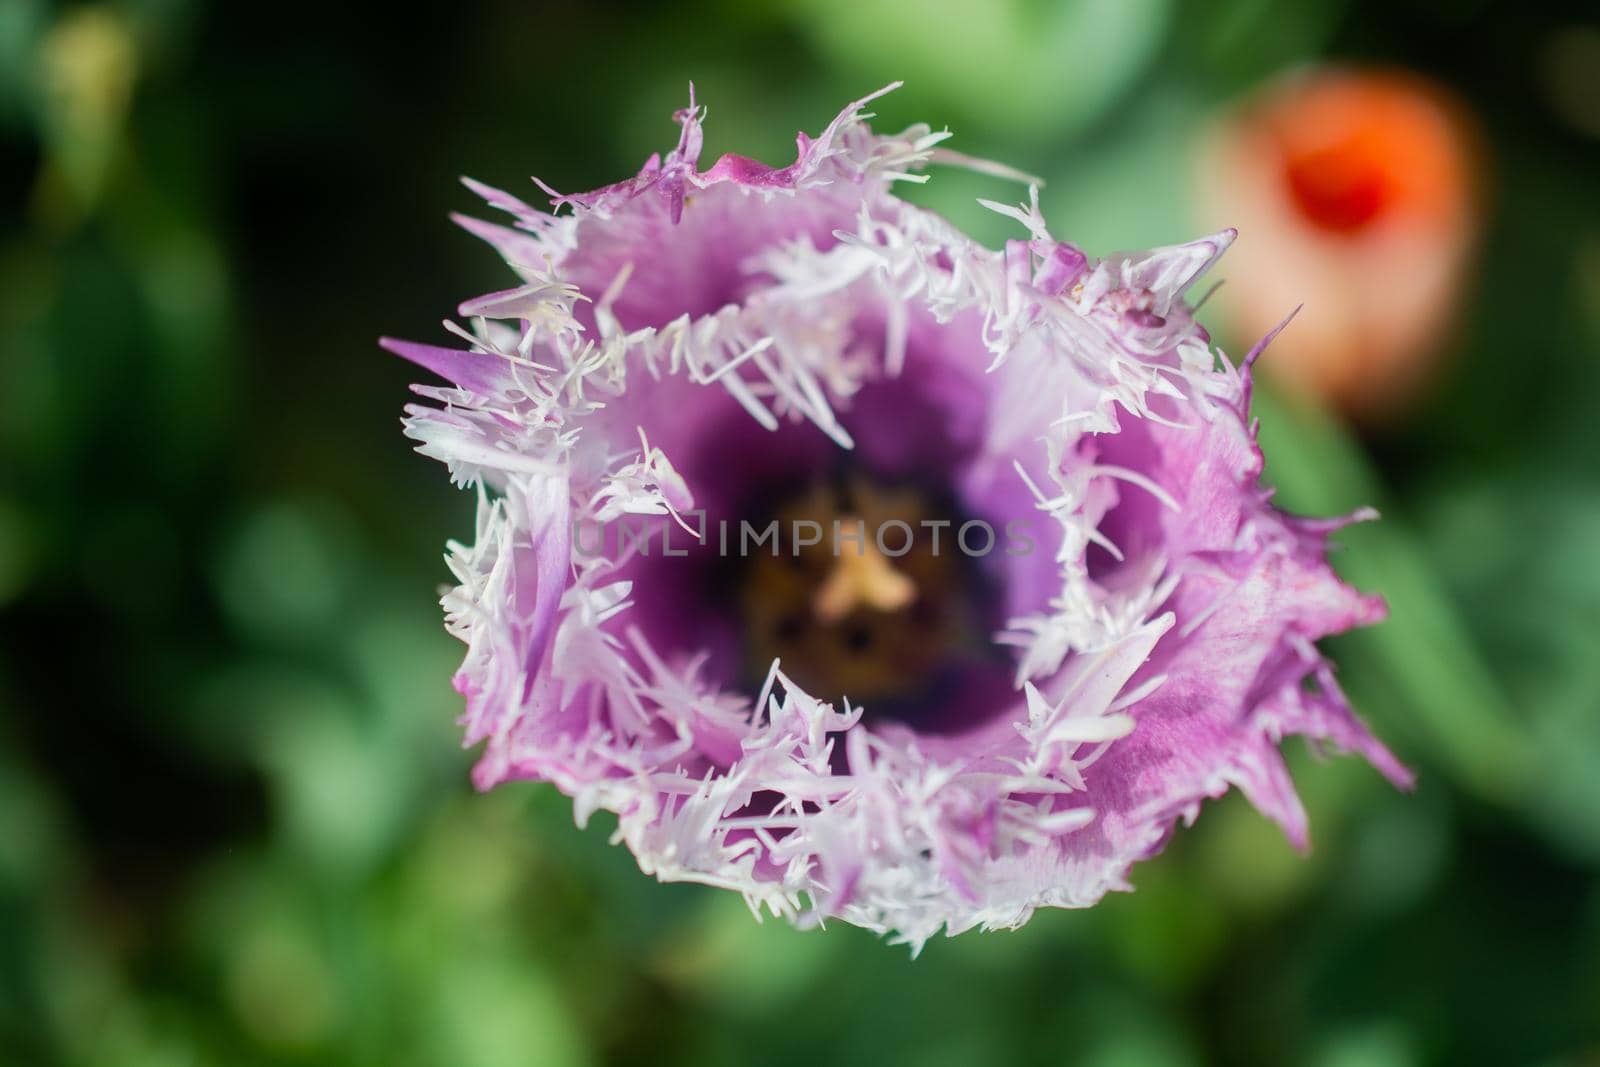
pixel 862 578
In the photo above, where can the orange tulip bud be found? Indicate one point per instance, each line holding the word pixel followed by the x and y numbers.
pixel 1355 194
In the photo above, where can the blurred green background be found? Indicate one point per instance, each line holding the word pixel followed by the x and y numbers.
pixel 235 822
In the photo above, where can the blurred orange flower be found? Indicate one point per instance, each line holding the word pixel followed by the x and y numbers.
pixel 1356 194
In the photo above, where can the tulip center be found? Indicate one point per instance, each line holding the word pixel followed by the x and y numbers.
pixel 866 592
pixel 1340 187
